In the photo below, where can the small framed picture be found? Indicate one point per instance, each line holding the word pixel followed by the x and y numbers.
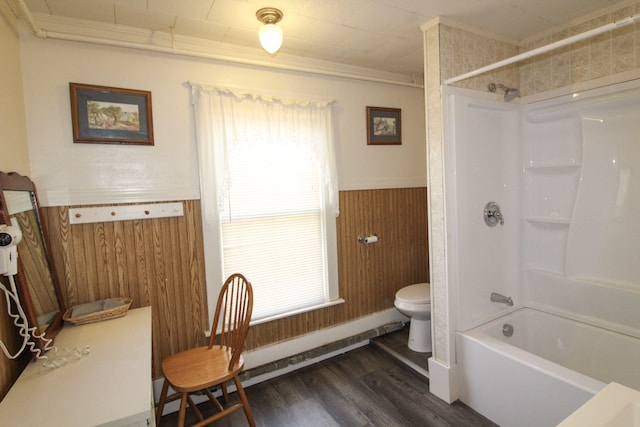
pixel 384 126
pixel 109 115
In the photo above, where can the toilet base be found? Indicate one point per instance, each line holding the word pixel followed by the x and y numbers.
pixel 420 336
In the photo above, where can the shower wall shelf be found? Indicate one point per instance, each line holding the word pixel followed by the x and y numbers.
pixel 546 246
pixel 551 172
pixel 551 167
pixel 561 221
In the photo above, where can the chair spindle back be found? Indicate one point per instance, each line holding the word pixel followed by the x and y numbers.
pixel 233 314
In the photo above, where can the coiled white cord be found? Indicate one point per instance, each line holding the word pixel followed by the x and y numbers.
pixel 19 319
pixel 60 358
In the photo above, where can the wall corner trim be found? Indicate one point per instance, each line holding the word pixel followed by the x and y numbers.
pixel 442 381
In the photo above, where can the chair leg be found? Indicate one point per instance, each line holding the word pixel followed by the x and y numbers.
pixel 194 408
pixel 245 402
pixel 183 409
pixel 161 402
pixel 213 400
pixel 224 392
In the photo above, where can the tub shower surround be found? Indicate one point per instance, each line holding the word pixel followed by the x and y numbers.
pixel 564 172
pixel 451 50
pixel 545 370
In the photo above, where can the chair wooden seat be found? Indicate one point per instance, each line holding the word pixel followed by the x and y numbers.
pixel 185 370
pixel 201 368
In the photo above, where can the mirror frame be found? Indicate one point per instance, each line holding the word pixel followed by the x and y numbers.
pixel 13 181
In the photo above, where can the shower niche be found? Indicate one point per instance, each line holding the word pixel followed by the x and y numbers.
pixel 552 169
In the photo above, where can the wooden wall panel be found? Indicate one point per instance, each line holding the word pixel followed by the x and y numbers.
pixel 160 262
pixel 369 275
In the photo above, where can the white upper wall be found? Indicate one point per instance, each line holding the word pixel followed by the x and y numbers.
pixel 15 151
pixel 68 173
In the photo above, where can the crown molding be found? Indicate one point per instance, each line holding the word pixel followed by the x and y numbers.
pixel 71 29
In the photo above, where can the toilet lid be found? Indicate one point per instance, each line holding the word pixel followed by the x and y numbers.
pixel 417 294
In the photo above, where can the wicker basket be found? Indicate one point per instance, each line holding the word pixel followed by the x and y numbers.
pixel 98 316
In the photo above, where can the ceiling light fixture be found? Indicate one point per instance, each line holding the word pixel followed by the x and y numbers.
pixel 270 34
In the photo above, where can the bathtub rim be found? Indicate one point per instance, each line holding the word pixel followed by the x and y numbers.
pixel 582 300
pixel 533 361
pixel 593 321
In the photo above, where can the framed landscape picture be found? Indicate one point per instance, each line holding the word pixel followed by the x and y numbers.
pixel 384 126
pixel 109 115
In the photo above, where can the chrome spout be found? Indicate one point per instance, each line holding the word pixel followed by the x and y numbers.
pixel 496 297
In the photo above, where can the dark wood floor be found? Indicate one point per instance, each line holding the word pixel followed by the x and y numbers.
pixel 364 387
pixel 396 344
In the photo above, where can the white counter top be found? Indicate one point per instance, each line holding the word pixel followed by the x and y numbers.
pixel 615 406
pixel 109 386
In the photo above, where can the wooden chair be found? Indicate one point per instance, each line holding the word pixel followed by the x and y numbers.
pixel 200 369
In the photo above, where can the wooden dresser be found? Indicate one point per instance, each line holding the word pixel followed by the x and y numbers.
pixel 110 386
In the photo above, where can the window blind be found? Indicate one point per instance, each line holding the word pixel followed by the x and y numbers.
pixel 272 226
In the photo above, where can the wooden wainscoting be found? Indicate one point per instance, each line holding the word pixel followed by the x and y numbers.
pixel 369 275
pixel 160 262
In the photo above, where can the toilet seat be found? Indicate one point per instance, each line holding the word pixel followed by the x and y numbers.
pixel 414 294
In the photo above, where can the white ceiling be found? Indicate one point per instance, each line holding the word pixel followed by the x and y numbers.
pixel 382 35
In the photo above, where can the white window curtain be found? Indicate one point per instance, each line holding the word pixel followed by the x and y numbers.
pixel 250 146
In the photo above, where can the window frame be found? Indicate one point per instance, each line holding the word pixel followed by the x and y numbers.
pixel 213 260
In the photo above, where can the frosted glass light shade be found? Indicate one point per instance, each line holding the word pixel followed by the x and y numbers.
pixel 270 36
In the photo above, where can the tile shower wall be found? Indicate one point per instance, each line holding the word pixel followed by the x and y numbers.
pixel 462 51
pixel 604 55
pixel 435 169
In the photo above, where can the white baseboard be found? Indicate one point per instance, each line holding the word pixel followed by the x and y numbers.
pixel 319 338
pixel 272 353
pixel 442 381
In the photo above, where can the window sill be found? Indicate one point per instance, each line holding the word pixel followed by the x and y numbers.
pixel 298 311
pixel 290 313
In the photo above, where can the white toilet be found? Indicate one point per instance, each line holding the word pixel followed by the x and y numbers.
pixel 414 301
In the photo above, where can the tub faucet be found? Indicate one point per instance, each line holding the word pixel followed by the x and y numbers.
pixel 496 297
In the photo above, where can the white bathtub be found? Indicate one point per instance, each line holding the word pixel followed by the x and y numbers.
pixel 545 371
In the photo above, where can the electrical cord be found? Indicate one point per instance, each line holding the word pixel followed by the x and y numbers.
pixel 60 357
pixel 18 319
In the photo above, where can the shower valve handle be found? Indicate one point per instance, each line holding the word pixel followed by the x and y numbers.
pixel 492 214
